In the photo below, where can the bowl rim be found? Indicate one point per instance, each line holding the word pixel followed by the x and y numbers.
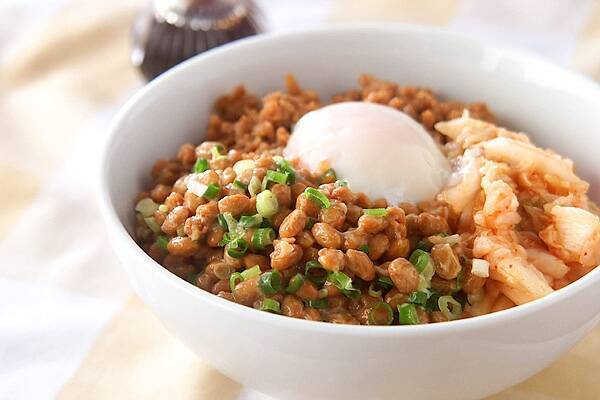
pixel 109 213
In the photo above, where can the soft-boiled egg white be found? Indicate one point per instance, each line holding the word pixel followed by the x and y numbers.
pixel 380 151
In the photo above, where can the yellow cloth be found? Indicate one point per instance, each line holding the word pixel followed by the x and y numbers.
pixel 78 63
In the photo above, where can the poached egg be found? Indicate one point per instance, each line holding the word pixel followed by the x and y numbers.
pixel 379 150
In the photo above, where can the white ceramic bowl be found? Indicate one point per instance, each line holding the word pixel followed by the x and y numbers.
pixel 297 359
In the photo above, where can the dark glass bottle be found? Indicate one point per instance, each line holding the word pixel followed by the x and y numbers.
pixel 171 31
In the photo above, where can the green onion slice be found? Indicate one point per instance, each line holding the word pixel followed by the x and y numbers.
pixel 200 165
pixel 343 282
pixel 422 262
pixel 152 224
pixel 230 222
pixel 236 248
pixel 341 183
pixel 420 297
pixel 255 186
pixel 364 248
pixel 251 273
pixel 277 177
pixel 212 190
pixel 318 197
pixel 250 221
pixel 407 314
pixel 285 167
pixel 234 279
pixel 239 185
pixel 270 282
pixel 295 283
pixel 162 242
pixel 381 314
pixel 270 305
pixel 315 273
pixel 432 302
pixel 216 152
pixel 146 207
pixel 420 259
pixel 373 292
pixel 225 240
pixel 320 303
pixel 449 307
pixel 223 222
pixel 378 212
pixel 266 204
pixel 385 282
pixel 262 238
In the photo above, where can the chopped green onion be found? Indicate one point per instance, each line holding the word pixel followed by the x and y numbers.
pixel 270 305
pixel 277 177
pixel 432 302
pixel 310 221
pixel 385 282
pixel 419 297
pixel 250 221
pixel 449 307
pixel 381 314
pixel 255 186
pixel 328 176
pixel 222 221
pixel 146 207
pixel 270 282
pixel 373 292
pixel 420 259
pixel 216 152
pixel 162 242
pixel 377 212
pixel 341 183
pixel 230 222
pixel 460 280
pixel 163 208
pixel 343 282
pixel 364 248
pixel 295 283
pixel 152 224
pixel 426 268
pixel 234 279
pixel 239 185
pixel 266 204
pixel 320 303
pixel 236 248
pixel 251 273
pixel 407 314
pixel 200 165
pixel 225 239
pixel 318 197
pixel 262 238
pixel 315 272
pixel 285 167
pixel 212 190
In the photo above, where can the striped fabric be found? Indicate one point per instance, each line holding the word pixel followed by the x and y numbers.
pixel 70 326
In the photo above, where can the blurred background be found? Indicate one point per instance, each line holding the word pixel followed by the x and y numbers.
pixel 69 322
